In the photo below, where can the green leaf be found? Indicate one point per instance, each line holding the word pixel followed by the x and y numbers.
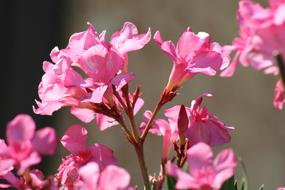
pixel 229 184
pixel 261 187
pixel 236 185
pixel 243 184
pixel 153 187
pixel 170 183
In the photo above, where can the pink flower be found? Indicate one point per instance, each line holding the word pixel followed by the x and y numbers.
pixel 103 65
pixel 25 145
pixel 198 125
pixel 279 95
pixel 204 172
pixel 92 177
pixel 194 53
pixel 280 188
pixel 74 140
pixel 261 36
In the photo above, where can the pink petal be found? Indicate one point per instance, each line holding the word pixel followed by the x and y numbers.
pixel 279 16
pixel 157 38
pixel 97 94
pixel 74 139
pixel 139 104
pixel 3 148
pixel 167 46
pixel 198 156
pixel 90 175
pixel 47 108
pixel 45 141
pixel 225 164
pixel 120 80
pixel 72 78
pixel 184 180
pixel 189 43
pixel 229 71
pixel 32 159
pixel 103 155
pixel 21 129
pixel 118 177
pixel 6 165
pixel 127 32
pixel 105 122
pixel 211 133
pixel 12 179
pixel 207 63
pixel 279 97
pixel 84 114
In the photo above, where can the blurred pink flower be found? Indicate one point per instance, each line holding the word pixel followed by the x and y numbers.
pixel 261 36
pixel 111 177
pixel 24 144
pixel 279 95
pixel 204 172
pixel 74 140
pixel 194 53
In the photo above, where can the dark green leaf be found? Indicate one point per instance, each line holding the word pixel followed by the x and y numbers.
pixel 229 184
pixel 236 185
pixel 153 187
pixel 170 183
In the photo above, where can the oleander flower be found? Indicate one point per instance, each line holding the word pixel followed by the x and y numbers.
pixel 83 74
pixel 195 124
pixel 74 140
pixel 199 125
pixel 24 145
pixel 194 53
pixel 92 177
pixel 261 37
pixel 204 171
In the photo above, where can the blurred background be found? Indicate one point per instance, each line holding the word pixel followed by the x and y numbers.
pixel 32 28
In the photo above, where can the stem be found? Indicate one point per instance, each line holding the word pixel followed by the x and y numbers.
pixel 140 156
pixel 127 131
pixel 130 112
pixel 149 123
pixel 281 65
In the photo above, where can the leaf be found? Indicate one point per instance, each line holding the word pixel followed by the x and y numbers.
pixel 236 185
pixel 170 183
pixel 229 184
pixel 261 187
pixel 243 184
pixel 153 187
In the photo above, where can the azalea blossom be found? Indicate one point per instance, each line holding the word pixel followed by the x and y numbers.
pixel 261 36
pixel 24 145
pixel 204 171
pixel 74 140
pixel 194 53
pixel 111 177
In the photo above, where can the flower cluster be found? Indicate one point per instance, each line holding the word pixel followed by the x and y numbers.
pixel 261 42
pixel 91 76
